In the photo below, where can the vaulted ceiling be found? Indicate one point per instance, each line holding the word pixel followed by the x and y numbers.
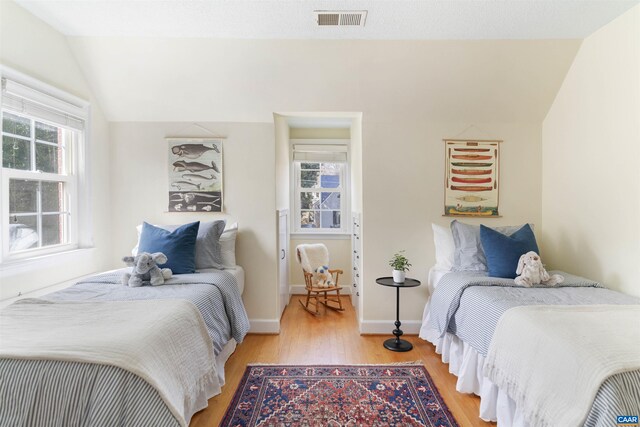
pixel 502 61
pixel 147 79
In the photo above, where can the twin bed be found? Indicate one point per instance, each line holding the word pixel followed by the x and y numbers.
pixel 102 353
pixel 564 355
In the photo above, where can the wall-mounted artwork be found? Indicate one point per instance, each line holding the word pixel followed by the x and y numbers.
pixel 472 178
pixel 195 175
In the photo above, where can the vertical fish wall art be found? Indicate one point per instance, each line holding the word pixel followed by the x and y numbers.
pixel 195 175
pixel 472 178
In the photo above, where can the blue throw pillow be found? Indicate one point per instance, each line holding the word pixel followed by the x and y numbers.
pixel 503 252
pixel 178 245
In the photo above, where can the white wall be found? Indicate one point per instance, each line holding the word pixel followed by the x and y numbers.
pixel 591 150
pixel 34 48
pixel 139 193
pixel 411 95
pixel 339 257
pixel 282 168
pixel 403 183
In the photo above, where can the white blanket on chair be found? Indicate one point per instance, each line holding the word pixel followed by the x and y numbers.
pixel 313 256
pixel 551 360
pixel 165 342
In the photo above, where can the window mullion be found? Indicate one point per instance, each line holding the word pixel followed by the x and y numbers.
pixel 12 135
pixel 33 145
pixel 39 214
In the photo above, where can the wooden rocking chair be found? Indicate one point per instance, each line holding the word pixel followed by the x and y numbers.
pixel 319 295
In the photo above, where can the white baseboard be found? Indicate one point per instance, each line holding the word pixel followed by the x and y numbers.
pixel 264 326
pixel 297 290
pixel 375 327
pixel 300 290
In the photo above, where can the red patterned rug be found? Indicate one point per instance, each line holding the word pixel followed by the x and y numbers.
pixel 337 395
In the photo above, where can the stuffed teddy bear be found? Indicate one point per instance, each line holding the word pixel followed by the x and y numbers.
pixel 146 270
pixel 532 272
pixel 323 277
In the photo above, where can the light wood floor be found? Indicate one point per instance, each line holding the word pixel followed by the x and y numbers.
pixel 333 338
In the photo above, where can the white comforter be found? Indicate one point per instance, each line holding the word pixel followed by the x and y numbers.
pixel 164 342
pixel 551 360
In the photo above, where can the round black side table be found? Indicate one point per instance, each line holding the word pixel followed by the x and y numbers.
pixel 396 344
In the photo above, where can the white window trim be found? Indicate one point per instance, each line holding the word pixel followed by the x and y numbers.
pixel 299 232
pixel 81 231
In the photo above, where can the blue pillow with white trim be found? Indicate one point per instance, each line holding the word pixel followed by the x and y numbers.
pixel 503 252
pixel 178 245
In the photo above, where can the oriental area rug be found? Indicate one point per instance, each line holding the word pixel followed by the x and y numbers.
pixel 337 395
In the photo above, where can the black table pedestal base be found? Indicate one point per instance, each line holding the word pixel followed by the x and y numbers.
pixel 397 344
pixel 394 344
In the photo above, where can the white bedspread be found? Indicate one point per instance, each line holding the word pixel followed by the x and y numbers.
pixel 165 342
pixel 551 360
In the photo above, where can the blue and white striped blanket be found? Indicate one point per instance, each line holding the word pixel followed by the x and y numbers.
pixel 469 304
pixel 215 294
pixel 48 392
pixel 165 343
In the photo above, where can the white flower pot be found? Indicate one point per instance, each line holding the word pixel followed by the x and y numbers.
pixel 398 276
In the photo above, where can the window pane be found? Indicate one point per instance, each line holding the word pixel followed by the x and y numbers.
pixel 48 158
pixel 52 196
pixel 23 196
pixel 330 175
pixel 309 200
pixel 310 166
pixel 16 153
pixel 309 179
pixel 330 200
pixel 53 227
pixel 320 209
pixel 47 133
pixel 330 219
pixel 310 219
pixel 16 125
pixel 23 233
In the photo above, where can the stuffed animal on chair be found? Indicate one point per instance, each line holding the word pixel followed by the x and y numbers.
pixel 532 272
pixel 323 277
pixel 146 270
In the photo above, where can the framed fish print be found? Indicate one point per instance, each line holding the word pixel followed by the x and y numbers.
pixel 195 175
pixel 472 178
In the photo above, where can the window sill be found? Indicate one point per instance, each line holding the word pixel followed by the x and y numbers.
pixel 29 265
pixel 321 236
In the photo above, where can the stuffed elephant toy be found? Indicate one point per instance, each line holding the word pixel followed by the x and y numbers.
pixel 146 270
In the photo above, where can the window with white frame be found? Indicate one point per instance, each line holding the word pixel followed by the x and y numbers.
pixel 42 147
pixel 320 188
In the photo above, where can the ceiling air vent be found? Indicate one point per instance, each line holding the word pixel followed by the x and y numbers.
pixel 341 18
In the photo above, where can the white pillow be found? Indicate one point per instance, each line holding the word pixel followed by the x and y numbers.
pixel 228 245
pixel 443 240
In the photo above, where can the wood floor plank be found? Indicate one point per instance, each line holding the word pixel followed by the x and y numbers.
pixel 333 338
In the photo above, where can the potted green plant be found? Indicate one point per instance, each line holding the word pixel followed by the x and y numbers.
pixel 400 265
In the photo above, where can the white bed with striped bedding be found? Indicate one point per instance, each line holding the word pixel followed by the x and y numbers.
pixel 39 387
pixel 462 333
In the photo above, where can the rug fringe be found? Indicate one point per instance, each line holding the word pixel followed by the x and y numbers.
pixel 410 363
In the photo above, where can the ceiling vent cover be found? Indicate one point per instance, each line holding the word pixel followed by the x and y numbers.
pixel 341 18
